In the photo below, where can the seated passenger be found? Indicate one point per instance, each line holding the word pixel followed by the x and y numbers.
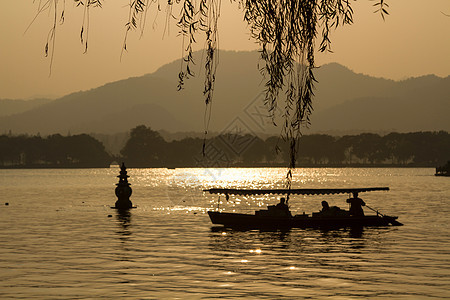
pixel 283 207
pixel 282 204
pixel 325 206
pixel 328 211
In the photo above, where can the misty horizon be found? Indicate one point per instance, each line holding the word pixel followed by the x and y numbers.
pixel 57 96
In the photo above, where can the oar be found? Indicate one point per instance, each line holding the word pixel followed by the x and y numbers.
pixel 378 213
pixel 391 220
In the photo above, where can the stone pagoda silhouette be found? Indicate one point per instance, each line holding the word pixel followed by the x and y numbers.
pixel 123 190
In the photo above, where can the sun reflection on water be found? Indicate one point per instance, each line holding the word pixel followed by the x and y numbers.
pixel 182 189
pixel 257 251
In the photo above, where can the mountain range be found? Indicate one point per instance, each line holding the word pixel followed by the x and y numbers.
pixel 345 102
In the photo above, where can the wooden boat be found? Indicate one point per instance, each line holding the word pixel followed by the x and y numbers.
pixel 277 216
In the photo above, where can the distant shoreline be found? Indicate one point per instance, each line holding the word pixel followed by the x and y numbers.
pixel 368 166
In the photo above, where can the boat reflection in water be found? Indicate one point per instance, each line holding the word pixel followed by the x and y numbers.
pixel 308 240
pixel 281 233
pixel 299 257
pixel 279 217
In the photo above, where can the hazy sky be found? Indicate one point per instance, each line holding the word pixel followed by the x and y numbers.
pixel 413 41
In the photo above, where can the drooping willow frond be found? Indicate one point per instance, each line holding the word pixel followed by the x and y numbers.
pixel 56 8
pixel 84 34
pixel 136 18
pixel 381 7
pixel 287 31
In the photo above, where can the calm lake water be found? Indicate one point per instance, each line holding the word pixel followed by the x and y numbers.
pixel 59 239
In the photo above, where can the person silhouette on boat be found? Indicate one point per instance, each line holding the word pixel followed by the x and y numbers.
pixel 356 205
pixel 330 211
pixel 325 206
pixel 282 205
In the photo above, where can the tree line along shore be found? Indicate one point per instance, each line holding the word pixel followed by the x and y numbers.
pixel 147 148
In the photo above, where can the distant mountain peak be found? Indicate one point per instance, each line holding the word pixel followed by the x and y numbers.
pixel 153 99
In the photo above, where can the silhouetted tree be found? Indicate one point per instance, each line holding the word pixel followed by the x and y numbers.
pixel 278 150
pixel 85 150
pixel 399 148
pixel 53 151
pixel 185 153
pixel 56 150
pixel 35 150
pixel 369 147
pixel 428 147
pixel 145 148
pixel 256 153
pixel 346 144
pixel 317 148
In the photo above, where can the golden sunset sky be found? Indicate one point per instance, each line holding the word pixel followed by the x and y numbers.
pixel 414 40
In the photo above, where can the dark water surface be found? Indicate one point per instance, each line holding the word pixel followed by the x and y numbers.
pixel 57 241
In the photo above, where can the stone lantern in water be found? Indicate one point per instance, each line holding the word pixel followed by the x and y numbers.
pixel 123 190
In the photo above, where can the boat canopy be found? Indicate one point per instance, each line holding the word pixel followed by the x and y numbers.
pixel 294 191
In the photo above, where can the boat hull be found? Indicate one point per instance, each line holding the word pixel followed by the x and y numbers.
pixel 236 220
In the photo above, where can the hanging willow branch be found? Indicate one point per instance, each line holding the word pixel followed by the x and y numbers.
pixel 56 8
pixel 286 30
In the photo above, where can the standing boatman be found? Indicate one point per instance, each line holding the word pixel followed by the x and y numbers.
pixel 356 205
